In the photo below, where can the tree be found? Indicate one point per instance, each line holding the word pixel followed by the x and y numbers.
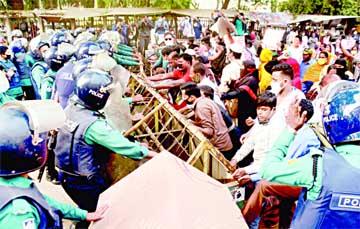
pixel 326 7
pixel 171 4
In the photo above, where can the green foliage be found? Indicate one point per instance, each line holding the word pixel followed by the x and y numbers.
pixel 4 5
pixel 171 4
pixel 325 7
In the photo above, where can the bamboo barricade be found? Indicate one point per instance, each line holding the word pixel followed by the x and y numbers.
pixel 164 128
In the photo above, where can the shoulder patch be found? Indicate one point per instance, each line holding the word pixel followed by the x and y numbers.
pixel 28 224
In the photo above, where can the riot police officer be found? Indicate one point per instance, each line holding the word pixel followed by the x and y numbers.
pixel 23 150
pixel 330 197
pixel 85 138
pixel 12 74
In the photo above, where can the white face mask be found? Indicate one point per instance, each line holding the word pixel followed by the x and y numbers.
pixel 169 43
pixel 275 88
pixel 4 83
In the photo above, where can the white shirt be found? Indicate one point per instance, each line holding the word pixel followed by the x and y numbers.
pixel 282 107
pixel 207 82
pixel 261 139
pixel 296 53
pixel 230 72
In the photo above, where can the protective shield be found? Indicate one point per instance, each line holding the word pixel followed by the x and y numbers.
pixel 117 110
pixel 44 115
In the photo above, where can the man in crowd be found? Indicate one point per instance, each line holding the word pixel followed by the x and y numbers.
pixel 209 121
pixel 144 29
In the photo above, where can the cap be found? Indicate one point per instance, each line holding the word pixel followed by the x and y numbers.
pixel 308 51
pixel 191 52
pixel 236 47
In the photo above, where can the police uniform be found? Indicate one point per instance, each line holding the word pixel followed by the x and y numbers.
pixel 38 71
pixel 22 213
pixel 331 196
pixel 24 150
pixel 85 140
pixel 15 89
pixel 47 84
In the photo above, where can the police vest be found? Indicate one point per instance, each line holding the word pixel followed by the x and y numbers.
pixel 73 154
pixel 15 79
pixel 338 205
pixel 36 87
pixel 20 64
pixel 49 217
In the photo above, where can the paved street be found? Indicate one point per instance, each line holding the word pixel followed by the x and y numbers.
pixel 54 191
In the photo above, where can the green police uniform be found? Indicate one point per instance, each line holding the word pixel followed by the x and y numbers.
pixel 47 85
pixel 19 213
pixel 298 172
pixel 125 62
pixel 4 98
pixel 38 73
pixel 101 133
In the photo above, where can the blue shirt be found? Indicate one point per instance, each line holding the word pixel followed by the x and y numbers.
pixel 304 66
pixel 304 140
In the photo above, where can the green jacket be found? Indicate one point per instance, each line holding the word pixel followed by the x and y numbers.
pixel 15 214
pixel 4 98
pixel 101 133
pixel 38 73
pixel 298 172
pixel 47 85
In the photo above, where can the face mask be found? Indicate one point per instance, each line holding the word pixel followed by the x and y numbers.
pixel 7 57
pixel 321 61
pixel 340 71
pixel 354 52
pixel 275 88
pixel 169 42
pixel 55 65
pixel 196 78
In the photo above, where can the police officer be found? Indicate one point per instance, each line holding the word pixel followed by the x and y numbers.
pixel 12 74
pixel 40 68
pixel 86 137
pixel 23 150
pixel 330 197
pixel 22 61
pixel 61 37
pixel 55 61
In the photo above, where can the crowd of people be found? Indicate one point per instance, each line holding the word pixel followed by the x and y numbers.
pixel 284 118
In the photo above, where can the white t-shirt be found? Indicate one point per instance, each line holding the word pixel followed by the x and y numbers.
pixel 296 53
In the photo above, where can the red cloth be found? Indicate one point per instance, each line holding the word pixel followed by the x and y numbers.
pixel 181 75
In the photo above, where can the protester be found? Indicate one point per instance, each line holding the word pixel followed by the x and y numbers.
pixel 209 121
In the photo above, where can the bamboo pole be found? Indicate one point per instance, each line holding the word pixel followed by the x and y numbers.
pixel 138 124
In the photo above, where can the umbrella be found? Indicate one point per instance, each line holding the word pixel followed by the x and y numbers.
pixel 166 192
